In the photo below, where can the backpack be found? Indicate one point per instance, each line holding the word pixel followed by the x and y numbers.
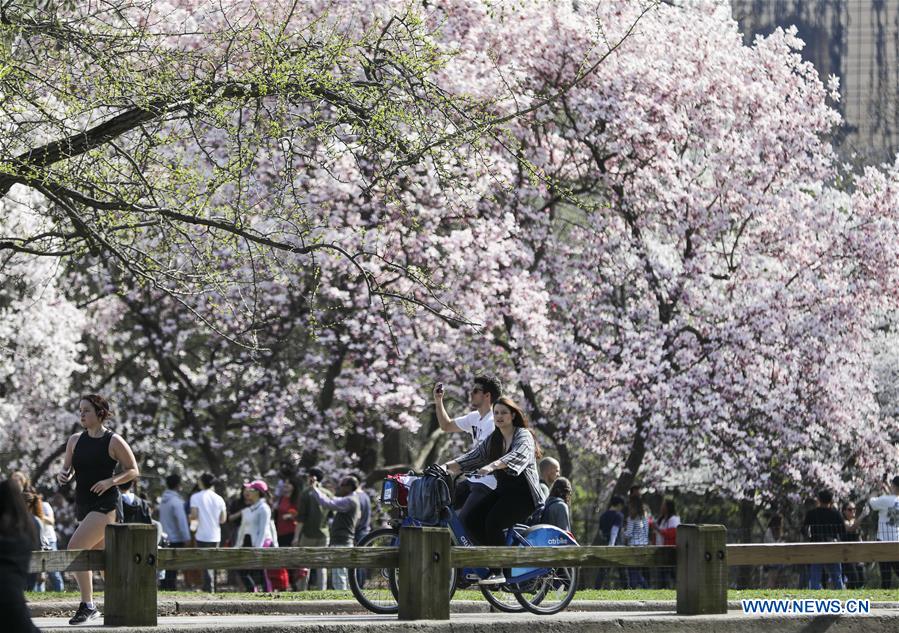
pixel 428 496
pixel 137 513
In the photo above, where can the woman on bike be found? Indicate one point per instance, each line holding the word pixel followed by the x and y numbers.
pixel 510 453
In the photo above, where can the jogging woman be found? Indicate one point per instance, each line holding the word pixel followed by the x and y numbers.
pixel 91 458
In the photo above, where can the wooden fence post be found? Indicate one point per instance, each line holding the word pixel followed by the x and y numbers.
pixel 701 569
pixel 424 570
pixel 130 596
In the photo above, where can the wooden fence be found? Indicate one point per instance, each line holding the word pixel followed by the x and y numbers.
pixel 131 561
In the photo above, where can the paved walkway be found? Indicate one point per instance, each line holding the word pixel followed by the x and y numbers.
pixel 879 621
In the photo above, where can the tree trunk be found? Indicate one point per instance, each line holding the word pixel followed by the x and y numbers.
pixel 632 464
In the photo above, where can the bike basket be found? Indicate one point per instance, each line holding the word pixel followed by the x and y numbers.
pixel 395 490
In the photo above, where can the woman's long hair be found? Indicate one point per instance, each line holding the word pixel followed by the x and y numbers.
pixel 15 519
pixel 520 420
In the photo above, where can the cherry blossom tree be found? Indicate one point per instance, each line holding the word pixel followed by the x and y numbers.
pixel 658 253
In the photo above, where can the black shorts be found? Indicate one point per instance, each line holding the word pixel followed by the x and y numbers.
pixel 102 505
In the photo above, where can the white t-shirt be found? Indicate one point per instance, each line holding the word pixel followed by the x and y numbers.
pixel 476 426
pixel 887 507
pixel 48 532
pixel 480 429
pixel 210 507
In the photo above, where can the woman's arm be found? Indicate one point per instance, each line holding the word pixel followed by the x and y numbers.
pixel 474 458
pixel 521 453
pixel 67 471
pixel 121 452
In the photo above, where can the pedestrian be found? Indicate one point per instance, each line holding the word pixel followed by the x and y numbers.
pixel 207 513
pixel 363 527
pixel 664 531
pixel 549 470
pixel 173 517
pixel 35 510
pixel 853 572
pixel 611 532
pixel 312 530
pixel 774 533
pixel 343 526
pixel 557 509
pixel 256 530
pixel 134 509
pixel 824 524
pixel 285 512
pixel 887 506
pixel 17 538
pixel 91 458
pixel 50 541
pixel 636 533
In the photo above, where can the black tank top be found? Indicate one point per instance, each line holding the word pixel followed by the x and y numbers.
pixel 92 463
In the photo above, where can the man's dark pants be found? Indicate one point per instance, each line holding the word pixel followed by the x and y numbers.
pixel 170 581
pixel 208 575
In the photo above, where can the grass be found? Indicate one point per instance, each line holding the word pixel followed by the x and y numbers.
pixel 875 595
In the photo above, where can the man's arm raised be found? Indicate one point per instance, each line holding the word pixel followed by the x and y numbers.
pixel 447 425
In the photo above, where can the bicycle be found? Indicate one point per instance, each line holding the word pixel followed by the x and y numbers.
pixel 539 590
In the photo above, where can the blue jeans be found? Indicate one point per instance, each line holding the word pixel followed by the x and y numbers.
pixel 834 570
pixel 54 578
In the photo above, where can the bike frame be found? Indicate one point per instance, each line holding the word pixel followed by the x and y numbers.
pixel 460 537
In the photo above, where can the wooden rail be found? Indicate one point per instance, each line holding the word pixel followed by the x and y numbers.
pixel 701 557
pixel 805 553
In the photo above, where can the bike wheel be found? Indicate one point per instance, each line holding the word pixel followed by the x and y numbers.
pixel 548 594
pixel 502 597
pixel 376 588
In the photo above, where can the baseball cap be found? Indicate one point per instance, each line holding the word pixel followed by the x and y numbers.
pixel 257 484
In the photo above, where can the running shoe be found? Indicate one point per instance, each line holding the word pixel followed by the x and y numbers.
pixel 84 614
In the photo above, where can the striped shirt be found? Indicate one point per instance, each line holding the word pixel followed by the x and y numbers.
pixel 521 459
pixel 636 531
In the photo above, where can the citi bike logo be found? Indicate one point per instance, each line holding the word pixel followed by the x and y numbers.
pixel 557 541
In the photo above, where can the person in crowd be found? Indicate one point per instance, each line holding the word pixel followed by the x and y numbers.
pixel 50 540
pixel 91 458
pixel 312 529
pixel 774 533
pixel 173 517
pixel 824 524
pixel 557 509
pixel 549 470
pixel 256 530
pixel 478 424
pixel 363 527
pixel 510 453
pixel 343 526
pixel 35 507
pixel 207 513
pixel 134 509
pixel 610 532
pixel 285 511
pixel 18 538
pixel 636 532
pixel 287 472
pixel 854 572
pixel 664 532
pixel 887 507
